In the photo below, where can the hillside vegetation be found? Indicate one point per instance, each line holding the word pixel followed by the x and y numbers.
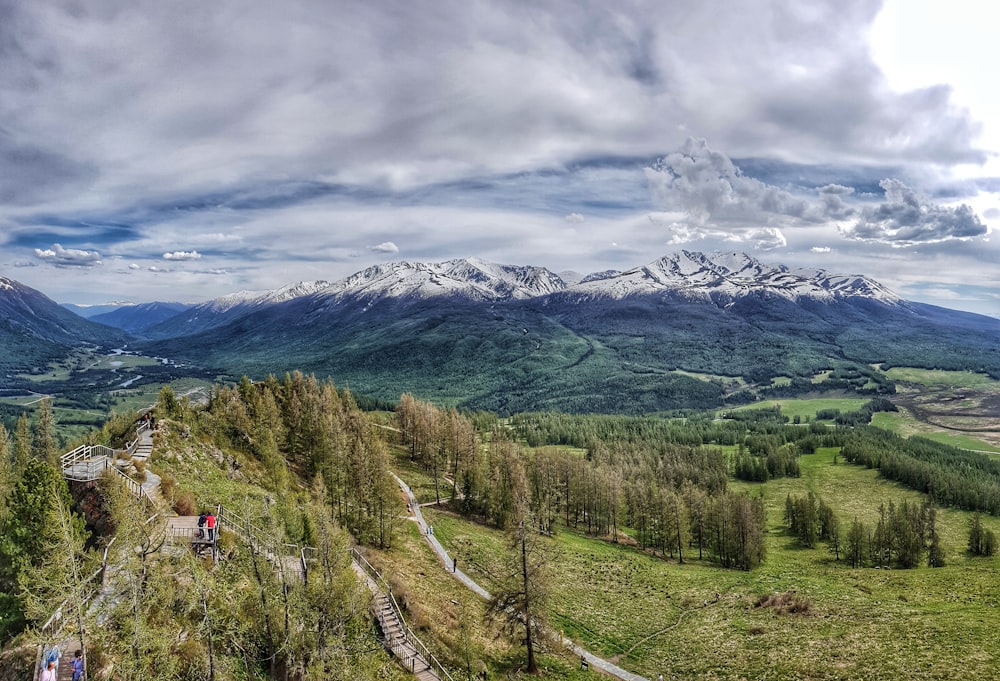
pixel 733 545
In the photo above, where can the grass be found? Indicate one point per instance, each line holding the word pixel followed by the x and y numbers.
pixel 449 618
pixel 207 472
pixel 902 423
pixel 939 378
pixel 656 616
pixel 808 407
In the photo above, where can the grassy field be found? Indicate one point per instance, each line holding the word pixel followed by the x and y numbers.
pixel 450 619
pixel 903 424
pixel 938 378
pixel 655 616
pixel 807 407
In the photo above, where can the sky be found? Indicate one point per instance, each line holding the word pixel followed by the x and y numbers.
pixel 185 150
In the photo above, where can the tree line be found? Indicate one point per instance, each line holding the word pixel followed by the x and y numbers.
pixel 673 494
pixel 948 475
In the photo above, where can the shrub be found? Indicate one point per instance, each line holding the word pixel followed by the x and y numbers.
pixel 787 603
pixel 168 485
pixel 184 503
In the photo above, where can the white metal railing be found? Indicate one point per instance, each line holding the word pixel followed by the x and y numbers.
pixel 398 648
pixel 88 462
pixel 133 445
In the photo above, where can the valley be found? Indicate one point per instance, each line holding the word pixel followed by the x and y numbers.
pixel 650 441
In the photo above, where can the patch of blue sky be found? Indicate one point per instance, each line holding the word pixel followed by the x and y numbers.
pixel 809 177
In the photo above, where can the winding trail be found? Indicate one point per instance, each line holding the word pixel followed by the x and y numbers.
pixel 593 661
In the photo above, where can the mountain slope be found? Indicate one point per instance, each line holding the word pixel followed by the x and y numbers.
pixel 512 338
pixel 35 330
pixel 135 319
pixel 223 311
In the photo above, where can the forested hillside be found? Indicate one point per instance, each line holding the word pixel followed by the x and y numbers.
pixel 300 462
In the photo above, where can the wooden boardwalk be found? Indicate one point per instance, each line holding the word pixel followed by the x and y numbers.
pixel 398 638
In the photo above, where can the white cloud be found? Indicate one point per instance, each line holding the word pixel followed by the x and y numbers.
pixel 134 266
pixel 384 247
pixel 906 219
pixel 182 255
pixel 820 249
pixel 574 217
pixel 68 257
pixel 707 187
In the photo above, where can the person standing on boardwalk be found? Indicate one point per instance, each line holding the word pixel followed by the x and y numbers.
pixel 77 664
pixel 210 522
pixel 201 524
pixel 49 673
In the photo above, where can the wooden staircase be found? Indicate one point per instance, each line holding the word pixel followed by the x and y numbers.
pixel 399 639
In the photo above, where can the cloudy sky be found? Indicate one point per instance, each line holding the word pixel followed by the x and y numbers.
pixel 184 150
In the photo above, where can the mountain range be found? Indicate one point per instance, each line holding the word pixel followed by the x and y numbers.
pixel 688 329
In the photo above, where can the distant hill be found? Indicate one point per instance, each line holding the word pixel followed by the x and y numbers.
pixel 136 319
pixel 88 311
pixel 35 330
pixel 512 338
pixel 220 311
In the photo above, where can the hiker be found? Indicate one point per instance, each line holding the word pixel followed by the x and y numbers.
pixel 77 663
pixel 53 658
pixel 454 565
pixel 201 525
pixel 49 673
pixel 210 522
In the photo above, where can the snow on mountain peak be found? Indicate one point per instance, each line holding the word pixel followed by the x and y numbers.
pixel 728 276
pixel 467 277
pixel 718 277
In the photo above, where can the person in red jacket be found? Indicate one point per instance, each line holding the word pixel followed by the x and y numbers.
pixel 210 524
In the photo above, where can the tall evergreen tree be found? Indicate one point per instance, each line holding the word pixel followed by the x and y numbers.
pixel 23 444
pixel 45 436
pixel 8 473
pixel 25 536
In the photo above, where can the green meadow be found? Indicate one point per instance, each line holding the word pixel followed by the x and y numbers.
pixel 696 620
pixel 806 408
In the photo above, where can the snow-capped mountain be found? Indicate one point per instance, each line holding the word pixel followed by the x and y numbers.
pixel 724 277
pixel 468 278
pixel 222 310
pixel 718 277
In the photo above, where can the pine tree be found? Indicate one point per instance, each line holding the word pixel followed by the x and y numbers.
pixel 8 473
pixel 62 578
pixel 22 443
pixel 25 536
pixel 856 544
pixel 520 600
pixel 935 552
pixel 45 437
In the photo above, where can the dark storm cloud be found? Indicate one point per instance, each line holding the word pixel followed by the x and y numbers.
pixel 906 219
